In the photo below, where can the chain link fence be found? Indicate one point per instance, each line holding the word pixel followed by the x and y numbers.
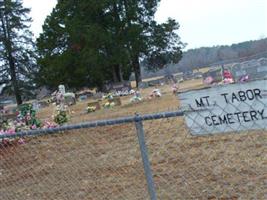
pixel 137 157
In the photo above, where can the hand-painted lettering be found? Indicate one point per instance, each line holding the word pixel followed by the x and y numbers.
pixel 234 97
pixel 201 103
pixel 237 117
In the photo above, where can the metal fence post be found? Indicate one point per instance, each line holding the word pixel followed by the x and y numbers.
pixel 144 154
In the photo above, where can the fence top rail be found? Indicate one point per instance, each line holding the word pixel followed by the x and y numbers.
pixel 92 124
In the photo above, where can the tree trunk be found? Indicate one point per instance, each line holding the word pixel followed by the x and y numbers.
pixel 117 73
pixel 14 80
pixel 114 73
pixel 120 74
pixel 137 71
pixel 8 47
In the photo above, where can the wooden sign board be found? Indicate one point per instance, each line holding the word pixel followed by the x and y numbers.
pixel 226 108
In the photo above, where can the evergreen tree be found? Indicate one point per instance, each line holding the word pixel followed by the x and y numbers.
pixel 155 44
pixel 89 42
pixel 71 47
pixel 16 47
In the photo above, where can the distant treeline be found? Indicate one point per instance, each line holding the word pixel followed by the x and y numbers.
pixel 213 56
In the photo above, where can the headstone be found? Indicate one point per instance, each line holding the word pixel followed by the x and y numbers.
pixel 179 77
pixel 153 83
pixel 10 109
pixel 2 86
pixel 9 112
pixel 42 93
pixel 116 100
pixel 253 69
pixel 43 103
pixel 61 89
pixel 143 85
pixel 84 94
pixel 198 75
pixel 69 100
pixel 214 74
pixel 98 95
pixel 36 106
pixel 263 61
pixel 94 104
pixel 188 75
pixel 121 86
pixel 8 116
pixel 83 97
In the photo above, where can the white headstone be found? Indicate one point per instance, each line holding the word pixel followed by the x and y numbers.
pixel 61 89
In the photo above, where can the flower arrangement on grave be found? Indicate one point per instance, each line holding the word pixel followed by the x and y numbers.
pixel 110 102
pixel 174 88
pixel 136 98
pixel 244 78
pixel 27 115
pixel 209 80
pixel 48 124
pixel 227 77
pixel 61 115
pixel 109 105
pixel 155 93
pixel 7 127
pixel 27 120
pixel 109 96
pixel 91 109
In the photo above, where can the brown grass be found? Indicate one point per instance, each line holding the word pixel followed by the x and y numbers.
pixel 105 163
pixel 168 102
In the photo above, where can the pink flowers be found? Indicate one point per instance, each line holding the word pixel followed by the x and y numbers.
pixel 26 120
pixel 11 127
pixel 208 80
pixel 28 117
pixel 8 131
pixel 11 131
pixel 2 132
pixel 21 141
pixel 34 127
pixel 48 124
pixel 6 141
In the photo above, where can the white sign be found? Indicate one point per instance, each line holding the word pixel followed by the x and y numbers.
pixel 226 108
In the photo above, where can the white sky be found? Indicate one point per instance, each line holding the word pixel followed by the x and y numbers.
pixel 203 22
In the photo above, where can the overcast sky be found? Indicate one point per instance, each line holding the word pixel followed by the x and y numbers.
pixel 202 22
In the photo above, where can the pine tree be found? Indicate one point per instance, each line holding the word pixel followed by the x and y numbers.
pixel 17 64
pixel 89 42
pixel 146 40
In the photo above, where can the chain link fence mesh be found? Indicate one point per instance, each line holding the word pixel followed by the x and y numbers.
pixel 231 166
pixel 105 163
pixel 99 163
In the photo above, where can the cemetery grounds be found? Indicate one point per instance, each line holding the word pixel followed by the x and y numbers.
pixel 105 163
